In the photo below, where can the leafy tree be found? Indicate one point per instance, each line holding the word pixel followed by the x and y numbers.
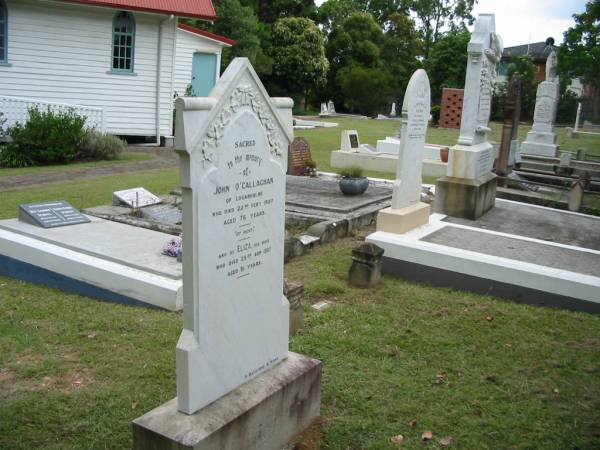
pixel 365 89
pixel 525 67
pixel 434 15
pixel 358 79
pixel 240 23
pixel 579 55
pixel 269 11
pixel 298 53
pixel 447 62
pixel 332 13
pixel 401 48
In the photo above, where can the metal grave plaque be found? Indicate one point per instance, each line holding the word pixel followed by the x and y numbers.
pixel 51 214
pixel 135 198
pixel 168 214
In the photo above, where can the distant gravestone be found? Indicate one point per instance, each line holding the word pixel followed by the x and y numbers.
pixel 323 109
pixel 350 141
pixel 51 214
pixel 407 210
pixel 168 214
pixel 299 159
pixel 135 198
pixel 541 140
pixel 330 107
pixel 468 190
pixel 393 110
pixel 233 148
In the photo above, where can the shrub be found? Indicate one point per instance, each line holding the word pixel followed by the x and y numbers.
pixel 10 156
pixel 98 145
pixel 49 137
pixel 351 172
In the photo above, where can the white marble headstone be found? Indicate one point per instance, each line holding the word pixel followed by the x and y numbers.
pixel 415 116
pixel 393 110
pixel 541 140
pixel 330 107
pixel 323 109
pixel 473 156
pixel 233 146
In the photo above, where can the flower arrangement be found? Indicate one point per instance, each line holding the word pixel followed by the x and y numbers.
pixel 174 247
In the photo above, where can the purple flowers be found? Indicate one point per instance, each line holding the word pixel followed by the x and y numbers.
pixel 173 247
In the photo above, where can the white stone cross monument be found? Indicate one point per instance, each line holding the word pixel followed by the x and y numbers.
pixel 541 140
pixel 233 182
pixel 466 190
pixel 407 210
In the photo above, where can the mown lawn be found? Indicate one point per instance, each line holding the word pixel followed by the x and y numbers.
pixel 492 374
pixel 123 158
pixel 324 140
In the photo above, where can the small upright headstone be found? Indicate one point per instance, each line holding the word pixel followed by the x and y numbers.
pixel 135 198
pixel 350 141
pixel 299 159
pixel 330 107
pixel 323 109
pixel 407 210
pixel 541 140
pixel 393 110
pixel 469 188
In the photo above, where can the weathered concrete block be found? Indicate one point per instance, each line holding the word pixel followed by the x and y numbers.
pixel 263 414
pixel 465 198
pixel 365 271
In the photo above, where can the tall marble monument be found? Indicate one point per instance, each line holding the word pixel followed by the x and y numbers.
pixel 468 190
pixel 541 140
pixel 407 210
pixel 233 148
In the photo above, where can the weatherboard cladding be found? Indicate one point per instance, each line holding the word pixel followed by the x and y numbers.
pixel 202 9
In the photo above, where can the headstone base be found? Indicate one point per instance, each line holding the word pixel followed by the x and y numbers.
pixel 539 149
pixel 465 198
pixel 470 161
pixel 401 220
pixel 263 414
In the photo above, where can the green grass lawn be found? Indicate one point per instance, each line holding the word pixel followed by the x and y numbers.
pixel 492 374
pixel 75 372
pixel 123 158
pixel 324 140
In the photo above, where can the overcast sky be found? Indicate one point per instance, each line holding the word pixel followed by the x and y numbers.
pixel 525 21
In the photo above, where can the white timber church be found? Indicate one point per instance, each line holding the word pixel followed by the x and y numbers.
pixel 120 63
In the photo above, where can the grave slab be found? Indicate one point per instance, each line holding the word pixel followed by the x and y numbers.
pixel 548 268
pixel 100 259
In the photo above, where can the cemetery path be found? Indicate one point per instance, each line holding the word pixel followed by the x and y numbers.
pixel 164 159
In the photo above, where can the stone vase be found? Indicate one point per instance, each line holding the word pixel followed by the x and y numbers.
pixel 353 186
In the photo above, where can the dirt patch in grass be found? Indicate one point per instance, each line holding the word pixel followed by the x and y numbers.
pixel 30 371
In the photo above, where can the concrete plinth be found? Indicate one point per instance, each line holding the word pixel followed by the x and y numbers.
pixel 539 149
pixel 465 198
pixel 263 414
pixel 404 219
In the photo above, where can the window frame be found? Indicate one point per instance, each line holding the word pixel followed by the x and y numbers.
pixel 4 32
pixel 115 35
